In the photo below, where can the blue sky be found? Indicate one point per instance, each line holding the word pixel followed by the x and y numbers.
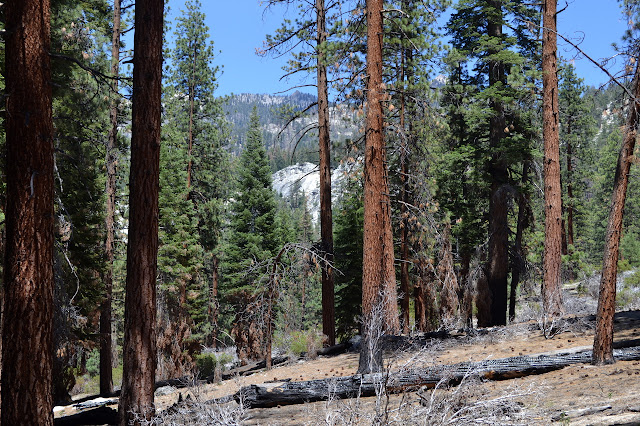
pixel 238 27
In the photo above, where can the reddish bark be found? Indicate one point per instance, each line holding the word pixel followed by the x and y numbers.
pixel 326 221
pixel 603 341
pixel 27 320
pixel 106 343
pixel 378 274
pixel 552 262
pixel 404 215
pixel 139 350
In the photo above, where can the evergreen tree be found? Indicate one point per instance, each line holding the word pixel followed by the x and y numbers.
pixel 198 131
pixel 139 351
pixel 180 258
pixel 28 284
pixel 577 128
pixel 499 70
pixel 251 239
pixel 348 246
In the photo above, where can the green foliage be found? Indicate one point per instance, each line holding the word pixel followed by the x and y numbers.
pixel 208 362
pixel 251 237
pixel 93 363
pixel 633 280
pixel 194 173
pixel 349 220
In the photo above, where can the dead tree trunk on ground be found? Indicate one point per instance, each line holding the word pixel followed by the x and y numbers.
pixel 362 385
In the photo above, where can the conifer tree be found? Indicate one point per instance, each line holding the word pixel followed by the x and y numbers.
pixel 27 317
pixel 139 351
pixel 379 294
pixel 603 340
pixel 576 125
pixel 477 34
pixel 111 158
pixel 199 129
pixel 316 58
pixel 551 284
pixel 251 239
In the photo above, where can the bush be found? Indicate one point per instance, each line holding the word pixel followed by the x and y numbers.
pixel 633 280
pixel 207 363
pixel 305 342
pixel 93 363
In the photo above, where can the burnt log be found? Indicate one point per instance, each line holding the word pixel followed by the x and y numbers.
pixel 97 416
pixel 287 393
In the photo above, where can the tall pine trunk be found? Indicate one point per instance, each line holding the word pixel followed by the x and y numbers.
pixel 140 303
pixel 106 343
pixel 518 266
pixel 404 214
pixel 379 296
pixel 27 322
pixel 603 341
pixel 552 262
pixel 326 220
pixel 498 262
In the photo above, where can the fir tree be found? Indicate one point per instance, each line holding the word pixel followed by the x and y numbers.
pixel 198 130
pixel 251 240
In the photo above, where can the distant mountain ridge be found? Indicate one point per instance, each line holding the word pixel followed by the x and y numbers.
pixel 272 108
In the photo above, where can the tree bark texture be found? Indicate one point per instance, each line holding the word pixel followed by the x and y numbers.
pixel 498 266
pixel 27 322
pixel 326 221
pixel 552 262
pixel 106 343
pixel 518 266
pixel 139 350
pixel 405 297
pixel 378 273
pixel 603 341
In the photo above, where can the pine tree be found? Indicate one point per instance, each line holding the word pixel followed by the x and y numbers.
pixel 379 294
pixel 80 108
pixel 199 128
pixel 551 284
pixel 348 247
pixel 111 158
pixel 28 285
pixel 576 125
pixel 251 240
pixel 139 352
pixel 499 71
pixel 317 58
pixel 603 340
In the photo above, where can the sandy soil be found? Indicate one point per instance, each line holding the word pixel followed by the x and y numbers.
pixel 613 391
pixel 580 394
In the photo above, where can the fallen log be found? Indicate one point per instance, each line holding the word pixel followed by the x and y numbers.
pixel 97 416
pixel 249 369
pixel 287 393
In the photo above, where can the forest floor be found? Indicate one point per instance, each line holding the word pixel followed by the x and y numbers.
pixel 581 394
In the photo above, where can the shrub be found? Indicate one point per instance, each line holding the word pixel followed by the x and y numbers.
pixel 93 363
pixel 207 363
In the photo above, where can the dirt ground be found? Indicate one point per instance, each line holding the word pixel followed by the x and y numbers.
pixel 580 394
